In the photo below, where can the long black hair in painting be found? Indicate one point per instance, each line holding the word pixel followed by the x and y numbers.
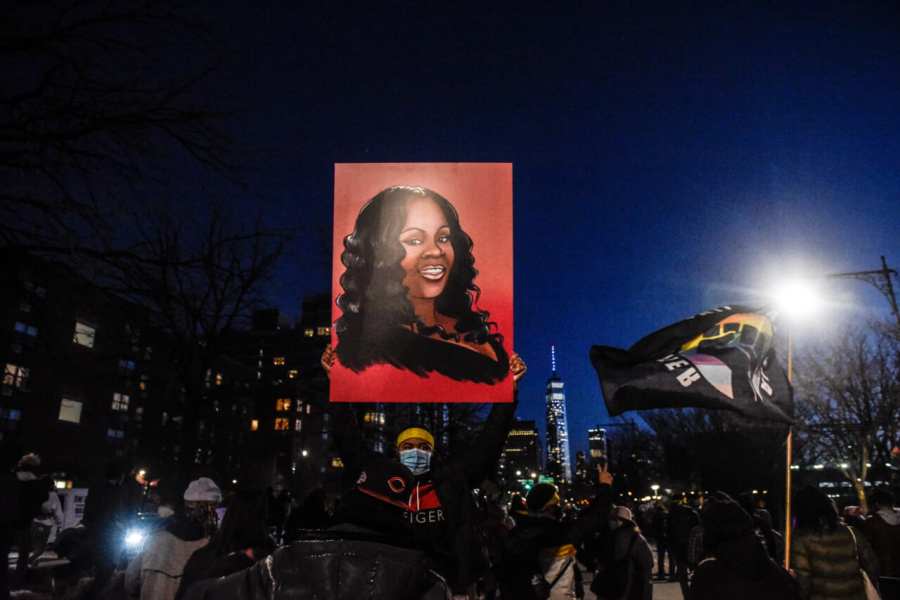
pixel 378 324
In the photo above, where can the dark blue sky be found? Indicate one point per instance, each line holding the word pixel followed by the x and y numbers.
pixel 663 163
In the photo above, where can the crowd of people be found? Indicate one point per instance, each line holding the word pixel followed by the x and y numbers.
pixel 419 525
pixel 410 528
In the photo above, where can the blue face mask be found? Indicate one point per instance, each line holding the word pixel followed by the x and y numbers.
pixel 416 460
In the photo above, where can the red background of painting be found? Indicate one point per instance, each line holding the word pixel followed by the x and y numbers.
pixel 482 195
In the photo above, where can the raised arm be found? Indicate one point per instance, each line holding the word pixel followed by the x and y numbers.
pixel 478 461
pixel 348 437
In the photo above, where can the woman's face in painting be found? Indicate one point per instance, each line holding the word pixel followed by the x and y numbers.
pixel 429 254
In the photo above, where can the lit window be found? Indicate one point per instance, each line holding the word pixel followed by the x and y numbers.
pixel 15 376
pixel 292 374
pixel 254 425
pixel 219 379
pixel 24 328
pixel 337 463
pixel 323 330
pixel 308 406
pixel 115 434
pixel 309 332
pixel 70 410
pixel 282 424
pixel 278 361
pixel 298 425
pixel 120 402
pixel 374 417
pixel 84 334
pixel 283 404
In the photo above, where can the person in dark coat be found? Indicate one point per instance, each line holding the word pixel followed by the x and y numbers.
pixel 32 492
pixel 369 553
pixel 660 528
pixel 628 559
pixel 240 541
pixel 882 529
pixel 440 509
pixel 737 565
pixel 682 518
pixel 540 553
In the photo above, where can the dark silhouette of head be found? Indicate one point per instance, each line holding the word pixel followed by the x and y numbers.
pixel 244 525
pixel 374 302
pixel 815 511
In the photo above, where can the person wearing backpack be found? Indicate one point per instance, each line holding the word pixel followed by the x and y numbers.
pixel 625 572
pixel 539 561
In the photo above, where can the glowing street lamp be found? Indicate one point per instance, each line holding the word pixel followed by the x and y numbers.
pixel 797 299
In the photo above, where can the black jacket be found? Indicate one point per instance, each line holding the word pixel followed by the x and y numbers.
pixel 447 532
pixel 741 569
pixel 335 565
pixel 538 533
pixel 205 564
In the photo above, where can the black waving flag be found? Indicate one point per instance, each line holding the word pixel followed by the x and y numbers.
pixel 723 359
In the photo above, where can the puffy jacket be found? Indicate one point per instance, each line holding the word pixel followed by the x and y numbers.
pixel 741 569
pixel 337 567
pixel 827 567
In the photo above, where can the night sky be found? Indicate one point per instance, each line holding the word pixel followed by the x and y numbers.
pixel 663 163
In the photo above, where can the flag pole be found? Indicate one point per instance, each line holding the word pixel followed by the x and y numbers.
pixel 789 447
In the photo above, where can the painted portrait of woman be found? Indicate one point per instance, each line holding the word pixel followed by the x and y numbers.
pixel 409 296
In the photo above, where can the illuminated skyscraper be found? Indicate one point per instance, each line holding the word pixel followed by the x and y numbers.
pixel 559 466
pixel 597 444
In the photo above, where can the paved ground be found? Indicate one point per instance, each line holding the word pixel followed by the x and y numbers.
pixel 661 590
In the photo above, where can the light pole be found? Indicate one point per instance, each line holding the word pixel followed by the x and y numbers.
pixel 797 300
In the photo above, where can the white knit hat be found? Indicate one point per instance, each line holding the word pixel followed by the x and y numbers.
pixel 623 513
pixel 203 490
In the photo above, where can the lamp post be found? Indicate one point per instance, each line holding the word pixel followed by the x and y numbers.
pixel 797 300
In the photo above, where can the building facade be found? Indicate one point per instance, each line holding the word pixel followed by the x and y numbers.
pixel 597 449
pixel 521 455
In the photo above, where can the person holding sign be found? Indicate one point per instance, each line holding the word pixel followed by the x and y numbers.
pixel 409 295
pixel 439 506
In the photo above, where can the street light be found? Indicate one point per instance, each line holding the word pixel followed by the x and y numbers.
pixel 798 298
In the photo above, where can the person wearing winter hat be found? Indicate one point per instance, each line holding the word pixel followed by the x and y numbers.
pixel 625 570
pixel 737 564
pixel 540 550
pixel 156 572
pixel 826 554
pixel 440 510
pixel 371 547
